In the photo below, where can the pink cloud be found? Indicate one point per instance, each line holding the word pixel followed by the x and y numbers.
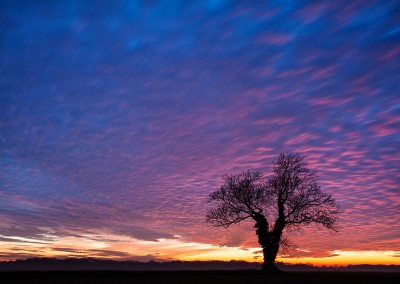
pixel 302 138
pixel 329 101
pixel 390 54
pixel 275 38
pixel 313 11
pixel 382 130
pixel 294 73
pixel 274 120
pixel 324 72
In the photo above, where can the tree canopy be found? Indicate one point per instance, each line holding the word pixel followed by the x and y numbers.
pixel 289 198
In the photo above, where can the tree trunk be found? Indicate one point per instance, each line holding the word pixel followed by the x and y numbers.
pixel 270 254
pixel 269 241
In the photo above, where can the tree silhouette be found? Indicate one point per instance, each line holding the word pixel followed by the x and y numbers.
pixel 289 198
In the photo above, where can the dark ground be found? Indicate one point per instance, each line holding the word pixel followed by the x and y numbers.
pixel 203 277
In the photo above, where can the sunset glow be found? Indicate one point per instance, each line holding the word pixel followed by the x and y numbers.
pixel 118 118
pixel 111 246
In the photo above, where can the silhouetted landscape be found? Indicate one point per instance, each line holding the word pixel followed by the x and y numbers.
pixel 90 264
pixel 49 270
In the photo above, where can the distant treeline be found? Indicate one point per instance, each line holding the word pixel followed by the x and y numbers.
pixel 71 264
pixel 47 264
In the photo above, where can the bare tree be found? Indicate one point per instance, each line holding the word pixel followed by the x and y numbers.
pixel 289 198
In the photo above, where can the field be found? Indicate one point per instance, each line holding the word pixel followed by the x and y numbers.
pixel 196 277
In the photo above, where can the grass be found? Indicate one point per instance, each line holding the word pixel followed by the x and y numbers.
pixel 196 277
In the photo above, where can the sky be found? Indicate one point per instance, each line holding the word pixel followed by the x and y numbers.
pixel 118 118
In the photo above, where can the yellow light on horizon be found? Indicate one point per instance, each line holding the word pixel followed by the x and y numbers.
pixel 172 249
